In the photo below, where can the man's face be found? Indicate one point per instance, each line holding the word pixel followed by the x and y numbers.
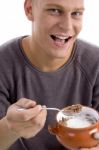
pixel 56 25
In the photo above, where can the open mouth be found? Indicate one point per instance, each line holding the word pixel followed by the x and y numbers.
pixel 61 39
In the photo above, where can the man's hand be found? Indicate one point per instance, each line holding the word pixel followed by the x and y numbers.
pixel 25 122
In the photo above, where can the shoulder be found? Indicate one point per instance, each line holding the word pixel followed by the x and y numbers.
pixel 9 46
pixel 10 56
pixel 10 51
pixel 87 58
pixel 87 48
pixel 87 52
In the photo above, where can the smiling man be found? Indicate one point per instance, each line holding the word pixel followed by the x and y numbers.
pixel 50 67
pixel 55 27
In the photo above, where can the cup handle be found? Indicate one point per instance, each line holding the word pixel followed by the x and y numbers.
pixel 53 129
pixel 95 133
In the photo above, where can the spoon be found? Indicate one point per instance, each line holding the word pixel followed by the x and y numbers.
pixel 64 112
pixel 47 108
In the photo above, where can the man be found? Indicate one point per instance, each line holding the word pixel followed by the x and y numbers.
pixel 51 67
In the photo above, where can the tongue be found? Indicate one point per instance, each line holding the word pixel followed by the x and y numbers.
pixel 59 42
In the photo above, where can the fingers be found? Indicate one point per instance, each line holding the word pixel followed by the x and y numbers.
pixel 36 124
pixel 25 103
pixel 27 114
pixel 23 110
pixel 29 128
pixel 40 118
pixel 16 115
pixel 26 122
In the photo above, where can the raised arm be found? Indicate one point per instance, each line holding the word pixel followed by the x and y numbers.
pixel 21 123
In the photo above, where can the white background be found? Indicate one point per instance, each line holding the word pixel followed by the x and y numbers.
pixel 13 21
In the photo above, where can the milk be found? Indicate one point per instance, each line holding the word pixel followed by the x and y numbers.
pixel 79 121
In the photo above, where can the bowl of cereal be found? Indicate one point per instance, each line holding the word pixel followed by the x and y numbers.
pixel 76 127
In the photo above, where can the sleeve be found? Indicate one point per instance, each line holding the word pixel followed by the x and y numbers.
pixel 4 99
pixel 95 98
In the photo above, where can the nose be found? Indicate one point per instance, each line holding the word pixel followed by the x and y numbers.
pixel 66 22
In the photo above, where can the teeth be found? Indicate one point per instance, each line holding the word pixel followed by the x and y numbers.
pixel 61 37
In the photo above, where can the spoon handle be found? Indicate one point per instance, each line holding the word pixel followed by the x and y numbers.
pixel 49 108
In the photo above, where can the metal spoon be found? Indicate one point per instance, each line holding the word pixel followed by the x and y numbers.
pixel 47 108
pixel 64 112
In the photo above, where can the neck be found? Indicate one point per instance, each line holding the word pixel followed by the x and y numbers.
pixel 42 62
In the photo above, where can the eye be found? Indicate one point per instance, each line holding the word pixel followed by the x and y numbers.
pixel 77 14
pixel 54 11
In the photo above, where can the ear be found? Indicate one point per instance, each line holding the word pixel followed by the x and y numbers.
pixel 28 5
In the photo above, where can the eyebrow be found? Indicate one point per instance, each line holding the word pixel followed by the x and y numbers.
pixel 58 6
pixel 82 8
